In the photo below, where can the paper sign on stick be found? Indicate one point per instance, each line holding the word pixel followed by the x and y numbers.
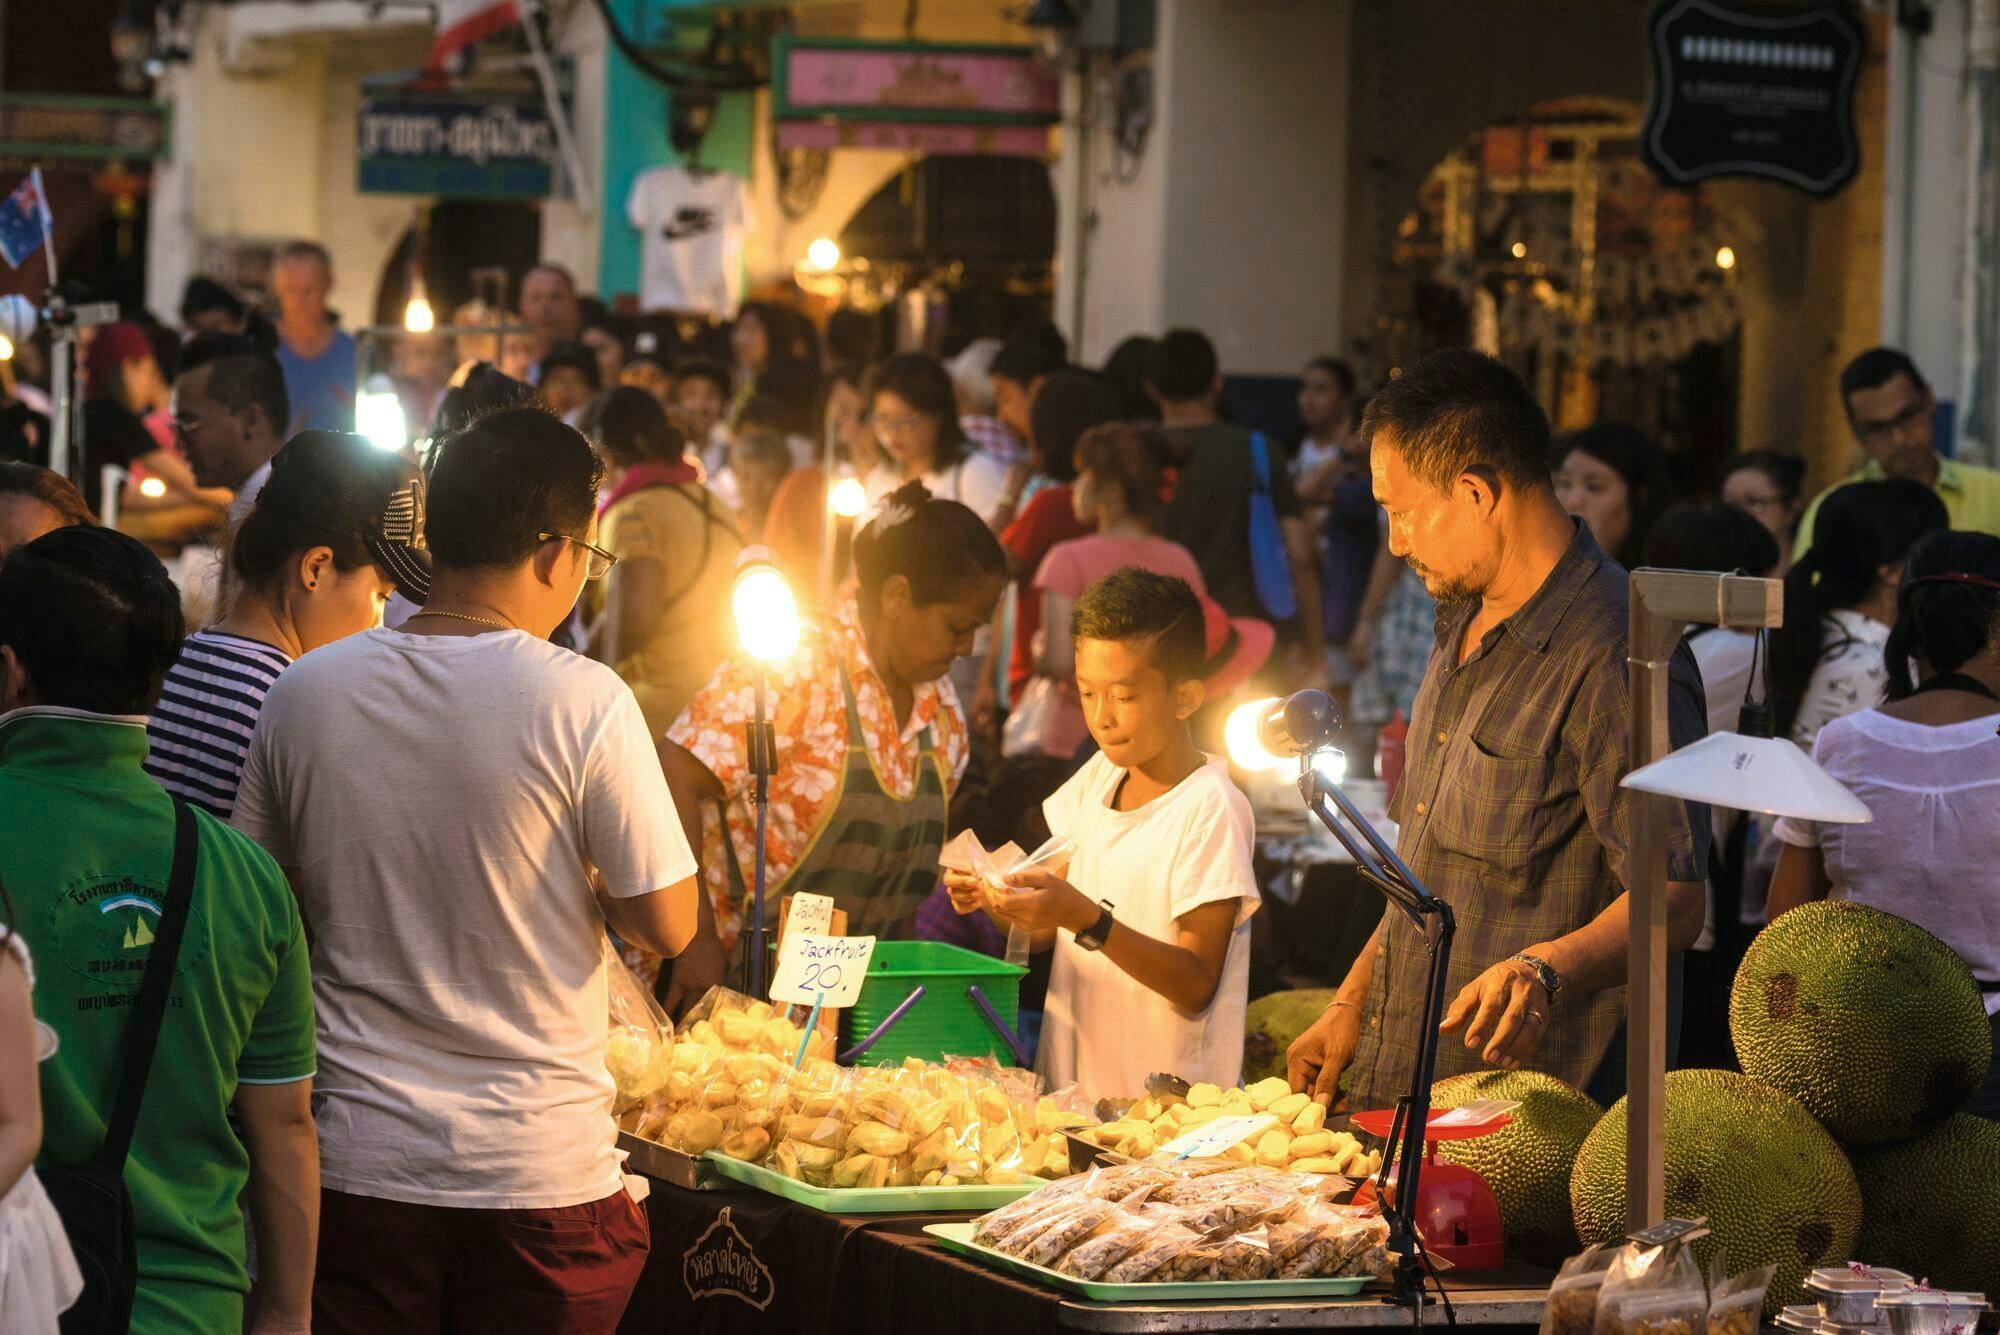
pixel 821 970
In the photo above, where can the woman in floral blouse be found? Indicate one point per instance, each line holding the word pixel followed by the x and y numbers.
pixel 871 739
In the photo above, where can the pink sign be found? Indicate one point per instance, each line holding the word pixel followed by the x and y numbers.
pixel 912 79
pixel 1021 141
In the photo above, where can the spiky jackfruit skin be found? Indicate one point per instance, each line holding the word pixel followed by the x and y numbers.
pixel 1775 1187
pixel 1528 1163
pixel 1867 1019
pixel 1272 1022
pixel 1931 1206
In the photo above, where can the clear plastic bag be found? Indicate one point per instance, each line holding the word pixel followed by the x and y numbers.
pixel 1572 1304
pixel 638 1048
pixel 1652 1291
pixel 1735 1304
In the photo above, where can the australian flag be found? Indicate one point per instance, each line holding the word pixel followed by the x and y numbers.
pixel 24 220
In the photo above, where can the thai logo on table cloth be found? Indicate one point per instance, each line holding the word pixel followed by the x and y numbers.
pixel 723 1264
pixel 104 929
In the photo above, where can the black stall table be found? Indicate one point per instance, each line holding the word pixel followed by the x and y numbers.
pixel 749 1263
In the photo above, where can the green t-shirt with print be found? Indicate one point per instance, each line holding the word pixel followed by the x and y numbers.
pixel 86 843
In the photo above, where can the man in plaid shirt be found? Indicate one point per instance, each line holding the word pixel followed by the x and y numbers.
pixel 1509 807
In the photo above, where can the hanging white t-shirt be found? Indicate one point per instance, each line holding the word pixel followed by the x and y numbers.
pixel 442 798
pixel 692 226
pixel 1104 1030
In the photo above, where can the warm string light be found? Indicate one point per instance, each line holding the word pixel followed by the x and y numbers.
pixel 1725 257
pixel 152 488
pixel 823 255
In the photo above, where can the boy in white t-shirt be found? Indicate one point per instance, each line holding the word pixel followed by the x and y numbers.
pixel 1151 928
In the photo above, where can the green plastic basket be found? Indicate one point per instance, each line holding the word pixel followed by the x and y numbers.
pixel 947 1019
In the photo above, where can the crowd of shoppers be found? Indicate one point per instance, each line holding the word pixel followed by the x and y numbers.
pixel 485 691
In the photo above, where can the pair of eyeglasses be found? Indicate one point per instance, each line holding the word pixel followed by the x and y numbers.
pixel 896 426
pixel 601 561
pixel 1895 426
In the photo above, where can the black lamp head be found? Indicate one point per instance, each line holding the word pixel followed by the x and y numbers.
pixel 1304 722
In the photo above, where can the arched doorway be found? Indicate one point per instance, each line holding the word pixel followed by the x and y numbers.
pixel 470 243
pixel 1547 242
pixel 978 232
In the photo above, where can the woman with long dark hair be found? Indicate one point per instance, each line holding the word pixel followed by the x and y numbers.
pixel 1769 487
pixel 914 410
pixel 1826 661
pixel 1611 477
pixel 1927 763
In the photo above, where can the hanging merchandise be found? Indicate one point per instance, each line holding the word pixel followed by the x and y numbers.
pixel 692 225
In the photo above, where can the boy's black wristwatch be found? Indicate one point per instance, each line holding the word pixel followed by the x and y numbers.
pixel 1094 936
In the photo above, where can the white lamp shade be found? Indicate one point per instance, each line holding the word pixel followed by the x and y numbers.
pixel 1765 774
pixel 18 318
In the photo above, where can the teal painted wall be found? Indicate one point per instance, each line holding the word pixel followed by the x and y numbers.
pixel 635 139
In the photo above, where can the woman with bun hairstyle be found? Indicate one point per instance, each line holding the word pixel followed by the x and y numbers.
pixel 335 531
pixel 871 739
pixel 1926 764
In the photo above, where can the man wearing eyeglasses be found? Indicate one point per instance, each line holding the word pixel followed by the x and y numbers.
pixel 462 807
pixel 1892 413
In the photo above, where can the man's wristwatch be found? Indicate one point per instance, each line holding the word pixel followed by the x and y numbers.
pixel 1094 936
pixel 1545 973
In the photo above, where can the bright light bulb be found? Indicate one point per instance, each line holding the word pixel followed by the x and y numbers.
pixel 1725 258
pixel 767 617
pixel 1520 250
pixel 418 317
pixel 378 414
pixel 848 498
pixel 6 348
pixel 1239 736
pixel 823 254
pixel 152 489
pixel 1331 765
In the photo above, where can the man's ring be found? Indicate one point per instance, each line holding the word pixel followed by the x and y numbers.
pixel 1537 1017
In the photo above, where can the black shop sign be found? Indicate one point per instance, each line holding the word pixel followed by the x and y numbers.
pixel 1742 91
pixel 455 147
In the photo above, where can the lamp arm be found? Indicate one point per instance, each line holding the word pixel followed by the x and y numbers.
pixel 1379 865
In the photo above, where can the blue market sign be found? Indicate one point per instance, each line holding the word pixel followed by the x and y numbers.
pixel 1743 91
pixel 456 148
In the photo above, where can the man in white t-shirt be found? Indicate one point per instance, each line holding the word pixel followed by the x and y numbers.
pixel 692 225
pixel 462 807
pixel 1150 923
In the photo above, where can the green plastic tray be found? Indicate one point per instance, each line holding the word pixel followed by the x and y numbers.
pixel 869 1200
pixel 945 1021
pixel 958 1238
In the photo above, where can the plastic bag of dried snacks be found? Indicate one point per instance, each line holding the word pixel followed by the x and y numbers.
pixel 1572 1305
pixel 1735 1304
pixel 1652 1290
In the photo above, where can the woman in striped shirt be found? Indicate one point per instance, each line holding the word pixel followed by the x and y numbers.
pixel 335 531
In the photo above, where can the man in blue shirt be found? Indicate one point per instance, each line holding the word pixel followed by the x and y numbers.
pixel 317 357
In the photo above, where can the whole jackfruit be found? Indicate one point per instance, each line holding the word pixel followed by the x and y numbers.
pixel 1528 1163
pixel 1270 1025
pixel 1867 1019
pixel 1774 1186
pixel 1929 1205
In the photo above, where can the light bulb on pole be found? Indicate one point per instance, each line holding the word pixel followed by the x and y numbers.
pixel 418 317
pixel 848 498
pixel 767 624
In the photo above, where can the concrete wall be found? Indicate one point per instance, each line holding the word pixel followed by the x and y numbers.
pixel 1233 218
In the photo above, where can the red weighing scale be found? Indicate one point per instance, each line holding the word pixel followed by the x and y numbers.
pixel 1456 1212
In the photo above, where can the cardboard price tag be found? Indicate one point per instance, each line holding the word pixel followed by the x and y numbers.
pixel 812 914
pixel 1217 1137
pixel 821 970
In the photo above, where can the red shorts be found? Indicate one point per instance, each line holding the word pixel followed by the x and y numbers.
pixel 389 1266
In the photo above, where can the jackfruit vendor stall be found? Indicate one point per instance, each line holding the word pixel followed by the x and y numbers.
pixel 1509 808
pixel 870 740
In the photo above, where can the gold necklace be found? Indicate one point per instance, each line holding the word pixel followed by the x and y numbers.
pixel 466 616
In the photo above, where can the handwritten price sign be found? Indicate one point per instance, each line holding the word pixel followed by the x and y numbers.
pixel 821 970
